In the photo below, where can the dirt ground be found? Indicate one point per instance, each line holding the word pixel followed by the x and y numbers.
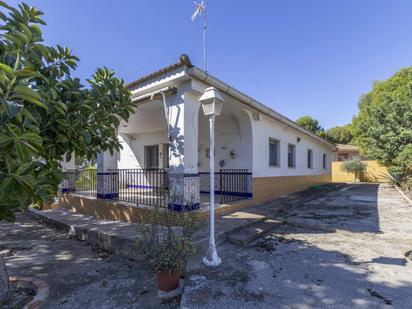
pixel 78 275
pixel 343 250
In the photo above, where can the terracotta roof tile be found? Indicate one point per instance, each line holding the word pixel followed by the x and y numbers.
pixel 347 147
pixel 183 61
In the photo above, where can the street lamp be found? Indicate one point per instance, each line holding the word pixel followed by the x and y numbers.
pixel 212 102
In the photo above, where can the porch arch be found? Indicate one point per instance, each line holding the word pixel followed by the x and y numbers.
pixel 233 139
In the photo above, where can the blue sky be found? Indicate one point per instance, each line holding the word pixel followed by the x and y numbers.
pixel 300 57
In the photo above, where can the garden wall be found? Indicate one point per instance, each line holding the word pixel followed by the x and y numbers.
pixel 373 173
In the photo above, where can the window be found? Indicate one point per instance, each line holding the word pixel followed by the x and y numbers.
pixel 291 155
pixel 310 158
pixel 165 154
pixel 324 161
pixel 343 157
pixel 274 153
pixel 152 156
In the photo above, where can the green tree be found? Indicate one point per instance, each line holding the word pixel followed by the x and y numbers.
pixel 404 157
pixel 310 124
pixel 45 113
pixel 383 126
pixel 340 134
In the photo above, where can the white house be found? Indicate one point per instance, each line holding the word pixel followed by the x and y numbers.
pixel 259 153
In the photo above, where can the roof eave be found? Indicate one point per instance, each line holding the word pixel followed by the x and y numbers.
pixel 184 61
pixel 222 86
pixel 203 76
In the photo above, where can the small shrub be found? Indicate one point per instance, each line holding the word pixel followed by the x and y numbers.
pixel 356 167
pixel 161 246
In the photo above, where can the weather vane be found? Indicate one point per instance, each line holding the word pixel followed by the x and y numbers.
pixel 200 9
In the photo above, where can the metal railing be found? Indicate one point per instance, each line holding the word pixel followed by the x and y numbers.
pixel 143 186
pixel 150 186
pixel 230 184
pixel 139 186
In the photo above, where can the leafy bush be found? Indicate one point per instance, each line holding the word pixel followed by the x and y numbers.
pixel 160 245
pixel 397 175
pixel 356 166
pixel 404 158
pixel 45 113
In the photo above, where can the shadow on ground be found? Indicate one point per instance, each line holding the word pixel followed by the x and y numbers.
pixel 343 250
pixel 353 208
pixel 282 271
pixel 78 275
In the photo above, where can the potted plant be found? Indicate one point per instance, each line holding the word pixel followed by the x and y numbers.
pixel 164 247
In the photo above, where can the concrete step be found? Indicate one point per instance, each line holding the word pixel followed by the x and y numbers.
pixel 118 237
pixel 250 233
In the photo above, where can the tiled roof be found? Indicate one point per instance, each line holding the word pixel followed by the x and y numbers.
pixel 183 61
pixel 347 147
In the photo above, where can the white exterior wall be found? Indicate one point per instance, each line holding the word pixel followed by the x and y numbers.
pixel 270 128
pixel 69 165
pixel 126 158
pixel 132 154
pixel 244 134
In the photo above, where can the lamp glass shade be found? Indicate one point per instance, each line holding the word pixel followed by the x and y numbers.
pixel 212 102
pixel 213 108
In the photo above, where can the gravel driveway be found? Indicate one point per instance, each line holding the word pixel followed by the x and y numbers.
pixel 343 250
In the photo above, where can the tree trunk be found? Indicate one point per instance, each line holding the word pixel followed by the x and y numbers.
pixel 4 281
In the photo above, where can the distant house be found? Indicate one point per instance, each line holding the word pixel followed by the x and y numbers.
pixel 346 153
pixel 374 170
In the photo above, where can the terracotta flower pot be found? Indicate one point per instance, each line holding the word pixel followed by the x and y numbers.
pixel 168 281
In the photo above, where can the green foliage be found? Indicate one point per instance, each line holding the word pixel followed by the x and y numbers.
pixel 404 158
pixel 383 127
pixel 87 177
pixel 83 162
pixel 160 245
pixel 340 134
pixel 356 167
pixel 45 113
pixel 396 175
pixel 310 124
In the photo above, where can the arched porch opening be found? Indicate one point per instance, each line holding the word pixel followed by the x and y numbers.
pixel 233 153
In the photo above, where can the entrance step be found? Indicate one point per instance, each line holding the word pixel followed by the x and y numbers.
pixel 250 233
pixel 118 237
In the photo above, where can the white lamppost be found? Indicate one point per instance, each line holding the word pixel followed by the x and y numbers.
pixel 212 102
